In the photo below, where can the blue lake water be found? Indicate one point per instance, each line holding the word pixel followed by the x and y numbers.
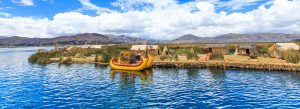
pixel 25 85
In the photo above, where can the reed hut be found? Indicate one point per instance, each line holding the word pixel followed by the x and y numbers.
pixel 217 48
pixel 138 47
pixel 277 49
pixel 58 48
pixel 41 51
pixel 246 49
pixel 165 51
pixel 154 50
pixel 84 47
pixel 151 49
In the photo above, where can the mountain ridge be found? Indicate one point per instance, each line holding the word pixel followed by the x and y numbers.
pixel 1 37
pixel 78 39
pixel 234 37
pixel 96 38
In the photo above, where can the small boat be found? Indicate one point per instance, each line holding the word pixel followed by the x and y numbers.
pixel 141 64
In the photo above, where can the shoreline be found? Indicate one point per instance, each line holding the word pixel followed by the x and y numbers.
pixel 230 65
pixel 218 64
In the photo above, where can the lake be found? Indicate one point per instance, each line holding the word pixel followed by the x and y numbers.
pixel 25 85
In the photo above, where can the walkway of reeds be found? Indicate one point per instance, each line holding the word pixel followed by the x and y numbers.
pixel 230 65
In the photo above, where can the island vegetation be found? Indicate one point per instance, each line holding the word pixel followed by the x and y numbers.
pixel 259 54
pixel 62 55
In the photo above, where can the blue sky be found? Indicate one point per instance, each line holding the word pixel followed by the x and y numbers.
pixel 152 19
pixel 48 8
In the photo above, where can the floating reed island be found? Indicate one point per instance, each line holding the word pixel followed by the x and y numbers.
pixel 261 56
pixel 230 65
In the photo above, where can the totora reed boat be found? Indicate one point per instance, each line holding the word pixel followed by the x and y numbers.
pixel 130 62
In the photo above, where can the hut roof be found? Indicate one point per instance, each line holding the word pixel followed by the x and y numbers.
pixel 91 46
pixel 153 46
pixel 247 46
pixel 165 49
pixel 143 47
pixel 287 46
pixel 138 47
pixel 216 46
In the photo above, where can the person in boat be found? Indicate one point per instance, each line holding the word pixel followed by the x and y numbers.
pixel 121 58
pixel 138 57
pixel 132 59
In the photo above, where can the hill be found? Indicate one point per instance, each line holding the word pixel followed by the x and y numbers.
pixel 79 39
pixel 232 37
pixel 2 37
pixel 95 38
pixel 188 37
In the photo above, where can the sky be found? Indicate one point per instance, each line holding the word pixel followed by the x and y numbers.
pixel 151 19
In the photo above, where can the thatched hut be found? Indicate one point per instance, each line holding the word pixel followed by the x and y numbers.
pixel 217 48
pixel 85 47
pixel 41 51
pixel 165 51
pixel 278 48
pixel 246 49
pixel 138 47
pixel 151 49
pixel 58 48
pixel 154 50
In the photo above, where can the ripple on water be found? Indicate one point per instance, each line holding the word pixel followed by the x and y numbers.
pixel 25 85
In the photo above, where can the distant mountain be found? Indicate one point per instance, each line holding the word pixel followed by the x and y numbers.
pixel 79 39
pixel 232 37
pixel 2 37
pixel 95 38
pixel 188 37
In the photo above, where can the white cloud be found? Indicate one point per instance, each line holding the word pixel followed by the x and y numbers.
pixel 87 5
pixel 5 14
pixel 143 4
pixel 24 2
pixel 20 26
pixel 235 4
pixel 238 4
pixel 166 20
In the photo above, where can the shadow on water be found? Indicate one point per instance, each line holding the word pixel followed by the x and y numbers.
pixel 129 77
pixel 192 73
pixel 217 74
pixel 64 64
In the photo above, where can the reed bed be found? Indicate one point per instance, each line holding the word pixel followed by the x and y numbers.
pixel 230 65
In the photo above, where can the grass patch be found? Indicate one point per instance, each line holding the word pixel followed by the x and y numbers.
pixel 263 49
pixel 169 57
pixel 39 58
pixel 217 56
pixel 104 54
pixel 190 53
pixel 292 56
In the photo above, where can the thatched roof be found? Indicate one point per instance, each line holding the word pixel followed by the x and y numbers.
pixel 247 46
pixel 143 47
pixel 287 46
pixel 153 46
pixel 216 46
pixel 138 47
pixel 165 51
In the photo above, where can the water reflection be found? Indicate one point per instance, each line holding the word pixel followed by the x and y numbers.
pixel 217 74
pixel 192 73
pixel 24 85
pixel 129 77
